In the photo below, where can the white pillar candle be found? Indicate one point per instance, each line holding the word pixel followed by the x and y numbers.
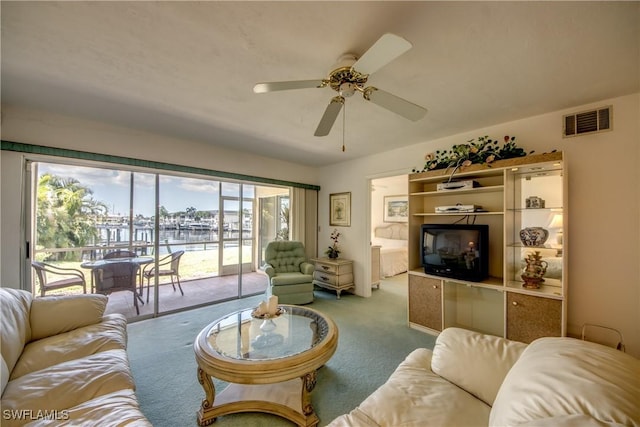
pixel 273 304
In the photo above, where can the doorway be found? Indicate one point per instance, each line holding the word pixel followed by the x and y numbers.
pixel 389 224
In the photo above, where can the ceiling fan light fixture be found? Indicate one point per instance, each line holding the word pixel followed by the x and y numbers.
pixel 348 89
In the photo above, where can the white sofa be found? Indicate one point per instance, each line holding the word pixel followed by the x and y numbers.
pixel 64 362
pixel 471 379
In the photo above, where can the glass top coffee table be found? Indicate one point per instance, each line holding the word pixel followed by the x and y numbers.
pixel 270 363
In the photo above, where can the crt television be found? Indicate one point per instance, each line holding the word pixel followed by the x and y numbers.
pixel 459 251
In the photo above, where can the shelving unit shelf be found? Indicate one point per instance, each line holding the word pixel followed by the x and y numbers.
pixel 503 195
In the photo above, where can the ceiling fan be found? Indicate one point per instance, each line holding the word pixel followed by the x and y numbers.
pixel 350 75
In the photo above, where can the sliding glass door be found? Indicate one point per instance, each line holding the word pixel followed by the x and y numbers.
pixel 218 228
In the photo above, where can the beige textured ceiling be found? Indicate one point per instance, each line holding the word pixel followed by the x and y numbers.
pixel 187 68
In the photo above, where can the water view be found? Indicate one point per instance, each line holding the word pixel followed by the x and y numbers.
pixel 186 239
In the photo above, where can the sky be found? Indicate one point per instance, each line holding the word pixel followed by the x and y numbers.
pixel 111 187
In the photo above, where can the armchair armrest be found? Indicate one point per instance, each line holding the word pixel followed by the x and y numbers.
pixel 268 270
pixel 307 268
pixel 52 315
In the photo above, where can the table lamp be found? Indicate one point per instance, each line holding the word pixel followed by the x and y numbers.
pixel 556 223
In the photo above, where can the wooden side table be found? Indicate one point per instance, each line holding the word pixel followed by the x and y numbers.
pixel 335 274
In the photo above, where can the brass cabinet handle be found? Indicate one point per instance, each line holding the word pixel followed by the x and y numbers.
pixel 325 267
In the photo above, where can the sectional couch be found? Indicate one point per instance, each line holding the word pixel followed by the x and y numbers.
pixel 471 379
pixel 64 362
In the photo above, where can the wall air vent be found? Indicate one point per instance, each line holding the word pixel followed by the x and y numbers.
pixel 597 120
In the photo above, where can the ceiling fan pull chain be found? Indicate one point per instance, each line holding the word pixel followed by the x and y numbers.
pixel 344 121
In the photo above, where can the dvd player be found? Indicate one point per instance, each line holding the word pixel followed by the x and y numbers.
pixel 457 208
pixel 456 185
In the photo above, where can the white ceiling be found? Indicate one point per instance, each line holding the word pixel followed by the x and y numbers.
pixel 187 69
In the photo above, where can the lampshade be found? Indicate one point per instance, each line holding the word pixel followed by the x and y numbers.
pixel 556 221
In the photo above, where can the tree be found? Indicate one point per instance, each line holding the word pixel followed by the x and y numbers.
pixel 65 215
pixel 283 233
pixel 164 213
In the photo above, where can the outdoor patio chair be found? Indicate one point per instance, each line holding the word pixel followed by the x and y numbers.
pixel 118 276
pixel 167 266
pixel 290 274
pixel 67 277
pixel 119 253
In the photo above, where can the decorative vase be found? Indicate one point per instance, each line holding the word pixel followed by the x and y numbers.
pixel 533 271
pixel 333 255
pixel 533 236
pixel 267 326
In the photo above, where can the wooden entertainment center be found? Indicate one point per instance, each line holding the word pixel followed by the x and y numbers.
pixel 510 195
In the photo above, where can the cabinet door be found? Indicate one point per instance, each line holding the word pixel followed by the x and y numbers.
pixel 425 302
pixel 530 317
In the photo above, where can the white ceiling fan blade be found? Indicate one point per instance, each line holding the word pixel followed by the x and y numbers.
pixel 400 106
pixel 386 49
pixel 295 84
pixel 329 116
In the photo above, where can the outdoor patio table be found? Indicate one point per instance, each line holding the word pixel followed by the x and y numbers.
pixel 94 265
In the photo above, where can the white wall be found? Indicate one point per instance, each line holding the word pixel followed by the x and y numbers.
pixel 604 209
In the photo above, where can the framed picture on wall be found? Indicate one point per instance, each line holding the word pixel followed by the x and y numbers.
pixel 340 209
pixel 396 209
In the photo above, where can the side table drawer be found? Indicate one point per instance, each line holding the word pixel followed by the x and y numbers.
pixel 333 279
pixel 334 268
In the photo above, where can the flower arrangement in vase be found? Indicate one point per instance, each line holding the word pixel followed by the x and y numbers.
pixel 333 251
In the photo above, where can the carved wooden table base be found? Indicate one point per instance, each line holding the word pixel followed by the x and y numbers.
pixel 289 399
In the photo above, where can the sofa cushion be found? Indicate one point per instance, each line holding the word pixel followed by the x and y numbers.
pixel 16 330
pixel 109 334
pixel 53 315
pixel 415 396
pixel 68 384
pixel 121 405
pixel 475 362
pixel 557 377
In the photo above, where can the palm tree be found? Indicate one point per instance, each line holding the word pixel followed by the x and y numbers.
pixel 66 214
pixel 283 234
pixel 191 212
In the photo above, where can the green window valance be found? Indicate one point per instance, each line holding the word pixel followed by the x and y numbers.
pixel 84 155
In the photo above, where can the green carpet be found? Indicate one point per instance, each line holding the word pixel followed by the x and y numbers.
pixel 373 339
